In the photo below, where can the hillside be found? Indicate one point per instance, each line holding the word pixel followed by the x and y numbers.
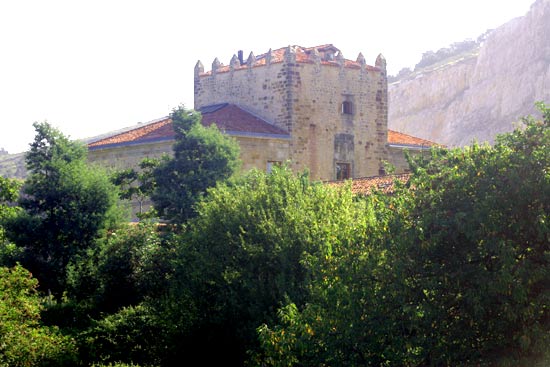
pixel 480 92
pixel 12 165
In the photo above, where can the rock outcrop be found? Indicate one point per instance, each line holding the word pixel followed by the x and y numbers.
pixel 13 165
pixel 483 93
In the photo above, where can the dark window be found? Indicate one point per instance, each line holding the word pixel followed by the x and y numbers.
pixel 347 108
pixel 343 171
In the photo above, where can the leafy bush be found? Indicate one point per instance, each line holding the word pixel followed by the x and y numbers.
pixel 116 364
pixel 132 335
pixel 248 251
pixel 129 265
pixel 455 272
pixel 9 192
pixel 23 340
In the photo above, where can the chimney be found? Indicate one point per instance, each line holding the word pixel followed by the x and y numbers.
pixel 241 59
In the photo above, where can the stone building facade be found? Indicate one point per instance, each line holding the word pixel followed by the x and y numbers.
pixel 310 107
pixel 335 110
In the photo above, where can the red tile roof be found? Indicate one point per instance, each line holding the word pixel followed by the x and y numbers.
pixel 398 138
pixel 366 185
pixel 152 131
pixel 229 118
pixel 234 119
pixel 303 55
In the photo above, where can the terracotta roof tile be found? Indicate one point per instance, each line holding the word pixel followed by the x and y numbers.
pixel 398 138
pixel 366 185
pixel 227 117
pixel 147 132
pixel 232 118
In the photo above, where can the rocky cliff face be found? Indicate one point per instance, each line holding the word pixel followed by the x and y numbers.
pixel 480 94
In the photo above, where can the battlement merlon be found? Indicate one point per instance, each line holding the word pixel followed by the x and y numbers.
pixel 381 62
pixel 325 55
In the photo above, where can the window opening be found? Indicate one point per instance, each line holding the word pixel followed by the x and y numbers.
pixel 347 108
pixel 343 171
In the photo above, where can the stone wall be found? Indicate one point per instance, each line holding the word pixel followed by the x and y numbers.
pixel 261 90
pixel 305 98
pixel 399 162
pixel 255 152
pixel 129 156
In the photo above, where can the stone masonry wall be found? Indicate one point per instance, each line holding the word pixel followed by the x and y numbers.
pixel 254 153
pixel 122 157
pixel 398 160
pixel 262 90
pixel 305 99
pixel 321 130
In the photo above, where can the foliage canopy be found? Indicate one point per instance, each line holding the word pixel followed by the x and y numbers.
pixel 66 206
pixel 458 273
pixel 23 340
pixel 203 156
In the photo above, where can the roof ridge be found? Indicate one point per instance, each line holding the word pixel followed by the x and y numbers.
pixel 118 132
pixel 411 136
pixel 212 108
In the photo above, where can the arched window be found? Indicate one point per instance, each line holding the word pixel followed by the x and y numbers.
pixel 347 108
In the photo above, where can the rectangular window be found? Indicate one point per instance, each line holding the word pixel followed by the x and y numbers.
pixel 343 171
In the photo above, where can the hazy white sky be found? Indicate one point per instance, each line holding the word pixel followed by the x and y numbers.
pixel 89 67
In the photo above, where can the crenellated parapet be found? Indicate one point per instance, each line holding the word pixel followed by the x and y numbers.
pixel 251 61
pixel 326 55
pixel 199 69
pixel 381 63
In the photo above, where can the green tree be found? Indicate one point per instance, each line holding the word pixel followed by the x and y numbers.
pixel 202 157
pixel 355 314
pixel 248 252
pixel 133 335
pixel 128 266
pixel 9 192
pixel 137 184
pixel 112 295
pixel 457 271
pixel 23 340
pixel 67 206
pixel 479 250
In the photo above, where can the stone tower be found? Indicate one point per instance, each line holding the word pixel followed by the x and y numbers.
pixel 334 109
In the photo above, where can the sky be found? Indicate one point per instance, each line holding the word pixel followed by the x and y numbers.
pixel 90 67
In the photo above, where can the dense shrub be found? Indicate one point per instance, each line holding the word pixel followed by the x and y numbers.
pixel 23 340
pixel 457 271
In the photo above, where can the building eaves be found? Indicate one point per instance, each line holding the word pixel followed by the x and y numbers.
pixel 112 133
pixel 257 135
pixel 130 143
pixel 402 140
